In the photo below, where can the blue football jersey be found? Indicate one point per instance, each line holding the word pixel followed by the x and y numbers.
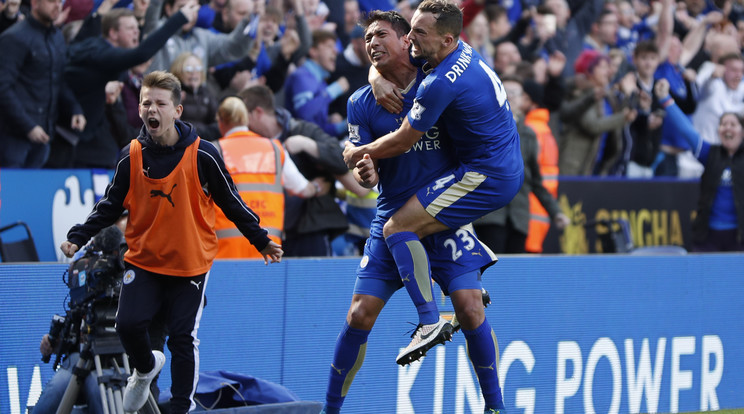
pixel 468 99
pixel 400 177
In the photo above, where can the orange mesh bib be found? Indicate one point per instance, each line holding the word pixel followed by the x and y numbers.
pixel 171 221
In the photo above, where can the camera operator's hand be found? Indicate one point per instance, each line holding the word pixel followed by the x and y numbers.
pixel 69 248
pixel 46 347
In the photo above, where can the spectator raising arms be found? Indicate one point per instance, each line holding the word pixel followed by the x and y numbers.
pixel 719 222
pixel 308 96
pixel 94 61
pixel 213 48
pixel 592 141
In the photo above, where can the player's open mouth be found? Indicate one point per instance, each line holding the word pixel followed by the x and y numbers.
pixel 153 123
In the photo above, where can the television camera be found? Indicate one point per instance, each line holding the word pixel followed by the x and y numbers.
pixel 94 280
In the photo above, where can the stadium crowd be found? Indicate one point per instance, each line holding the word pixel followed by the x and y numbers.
pixel 71 70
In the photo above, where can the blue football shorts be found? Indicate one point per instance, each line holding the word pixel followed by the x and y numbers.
pixel 463 196
pixel 457 259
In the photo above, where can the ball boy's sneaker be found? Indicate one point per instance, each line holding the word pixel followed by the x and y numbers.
pixel 138 385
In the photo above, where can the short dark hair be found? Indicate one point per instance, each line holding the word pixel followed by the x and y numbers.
pixel 258 96
pixel 169 3
pixel 321 36
pixel 494 11
pixel 511 78
pixel 273 13
pixel 604 13
pixel 730 56
pixel 543 10
pixel 535 91
pixel 448 16
pixel 645 46
pixel 396 20
pixel 111 19
pixel 163 80
pixel 736 115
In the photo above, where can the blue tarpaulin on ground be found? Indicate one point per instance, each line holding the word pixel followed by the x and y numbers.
pixel 225 389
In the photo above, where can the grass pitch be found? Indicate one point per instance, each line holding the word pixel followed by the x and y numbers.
pixel 734 411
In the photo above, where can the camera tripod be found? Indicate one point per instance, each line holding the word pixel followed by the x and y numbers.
pixel 111 384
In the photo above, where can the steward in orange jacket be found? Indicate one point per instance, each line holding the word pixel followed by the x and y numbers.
pixel 255 164
pixel 547 159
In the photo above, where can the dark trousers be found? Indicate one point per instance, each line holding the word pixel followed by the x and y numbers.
pixel 18 152
pixel 501 239
pixel 317 244
pixel 61 155
pixel 143 295
pixel 720 241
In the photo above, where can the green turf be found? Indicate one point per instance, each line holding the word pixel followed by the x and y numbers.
pixel 734 411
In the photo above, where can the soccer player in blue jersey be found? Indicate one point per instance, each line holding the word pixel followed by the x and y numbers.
pixel 463 92
pixel 457 256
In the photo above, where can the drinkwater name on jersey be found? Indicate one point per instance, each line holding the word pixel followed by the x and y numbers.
pixel 461 64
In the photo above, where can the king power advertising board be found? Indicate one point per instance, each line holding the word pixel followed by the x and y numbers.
pixel 577 334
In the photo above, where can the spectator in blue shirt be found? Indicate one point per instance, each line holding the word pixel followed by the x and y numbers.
pixel 307 95
pixel 719 222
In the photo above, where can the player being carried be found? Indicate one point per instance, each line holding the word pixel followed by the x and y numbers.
pixel 463 93
pixel 457 256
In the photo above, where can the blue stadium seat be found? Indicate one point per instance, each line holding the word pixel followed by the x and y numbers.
pixel 18 250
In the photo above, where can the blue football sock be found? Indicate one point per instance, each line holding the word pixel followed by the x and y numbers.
pixel 483 352
pixel 351 346
pixel 330 410
pixel 413 266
